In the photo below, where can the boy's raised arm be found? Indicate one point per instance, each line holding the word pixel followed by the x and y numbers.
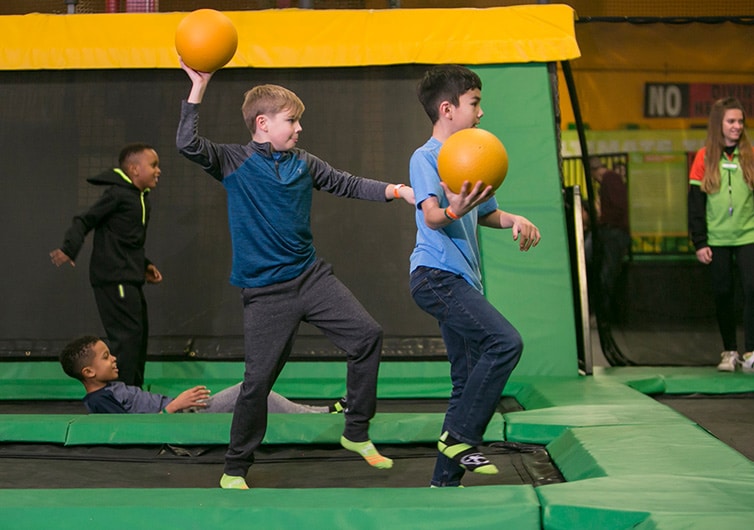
pixel 199 82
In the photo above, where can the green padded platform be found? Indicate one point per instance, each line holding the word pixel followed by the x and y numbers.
pixel 42 428
pixel 542 426
pixel 678 380
pixel 37 380
pixel 208 429
pixel 480 508
pixel 621 450
pixel 631 462
pixel 545 392
pixel 306 380
pixel 648 502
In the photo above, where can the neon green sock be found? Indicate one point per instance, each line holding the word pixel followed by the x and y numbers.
pixel 229 482
pixel 467 456
pixel 368 451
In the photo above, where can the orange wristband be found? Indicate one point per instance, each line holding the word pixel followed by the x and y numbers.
pixel 396 194
pixel 450 214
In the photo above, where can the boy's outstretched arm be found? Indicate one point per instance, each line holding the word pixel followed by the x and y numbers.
pixel 523 230
pixel 400 191
pixel 193 397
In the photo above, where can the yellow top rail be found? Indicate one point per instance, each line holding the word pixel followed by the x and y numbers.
pixel 293 38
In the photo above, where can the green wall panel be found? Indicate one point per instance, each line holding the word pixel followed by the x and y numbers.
pixel 532 289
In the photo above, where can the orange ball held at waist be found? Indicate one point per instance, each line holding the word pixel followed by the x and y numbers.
pixel 206 40
pixel 473 155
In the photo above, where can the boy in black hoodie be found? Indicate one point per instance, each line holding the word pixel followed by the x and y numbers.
pixel 118 267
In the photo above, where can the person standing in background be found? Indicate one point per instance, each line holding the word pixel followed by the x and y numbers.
pixel 118 267
pixel 721 223
pixel 614 238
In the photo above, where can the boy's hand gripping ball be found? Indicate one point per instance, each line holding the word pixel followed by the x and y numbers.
pixel 472 154
pixel 206 40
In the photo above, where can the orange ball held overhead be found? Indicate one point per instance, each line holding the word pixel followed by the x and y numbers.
pixel 473 155
pixel 206 40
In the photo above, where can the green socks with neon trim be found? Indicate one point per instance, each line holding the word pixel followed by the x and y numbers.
pixel 230 482
pixel 368 452
pixel 465 455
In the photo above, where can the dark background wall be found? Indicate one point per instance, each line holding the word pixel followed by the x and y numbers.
pixel 60 128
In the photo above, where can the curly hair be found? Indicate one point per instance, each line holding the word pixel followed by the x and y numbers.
pixel 77 355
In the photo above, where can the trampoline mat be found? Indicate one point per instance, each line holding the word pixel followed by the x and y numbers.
pixel 34 465
pixel 286 466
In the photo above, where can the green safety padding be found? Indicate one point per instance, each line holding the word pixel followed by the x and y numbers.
pixel 700 521
pixel 204 429
pixel 43 428
pixel 33 389
pixel 422 379
pixel 299 380
pixel 532 289
pixel 542 426
pixel 680 379
pixel 37 380
pixel 180 429
pixel 544 392
pixel 306 380
pixel 626 502
pixel 32 370
pixel 620 450
pixel 480 508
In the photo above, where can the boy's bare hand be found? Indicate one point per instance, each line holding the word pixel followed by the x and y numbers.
pixel 153 275
pixel 195 75
pixel 193 397
pixel 525 233
pixel 468 197
pixel 59 257
pixel 407 194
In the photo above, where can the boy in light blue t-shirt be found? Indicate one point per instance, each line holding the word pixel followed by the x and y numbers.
pixel 482 346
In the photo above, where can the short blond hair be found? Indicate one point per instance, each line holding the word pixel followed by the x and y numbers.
pixel 269 99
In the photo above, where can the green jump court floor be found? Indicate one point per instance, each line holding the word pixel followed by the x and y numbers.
pixel 609 451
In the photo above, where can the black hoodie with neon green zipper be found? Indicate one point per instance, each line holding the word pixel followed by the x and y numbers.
pixel 119 219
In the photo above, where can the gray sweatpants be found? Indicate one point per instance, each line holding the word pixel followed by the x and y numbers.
pixel 272 316
pixel 225 401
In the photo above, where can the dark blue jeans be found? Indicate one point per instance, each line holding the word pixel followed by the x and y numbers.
pixel 483 349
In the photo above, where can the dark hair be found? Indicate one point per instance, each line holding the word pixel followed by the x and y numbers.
pixel 78 354
pixel 446 82
pixel 130 150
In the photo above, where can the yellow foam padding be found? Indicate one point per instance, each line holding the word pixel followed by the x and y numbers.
pixel 294 38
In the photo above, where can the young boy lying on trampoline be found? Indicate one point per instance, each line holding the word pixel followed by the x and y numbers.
pixel 89 360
